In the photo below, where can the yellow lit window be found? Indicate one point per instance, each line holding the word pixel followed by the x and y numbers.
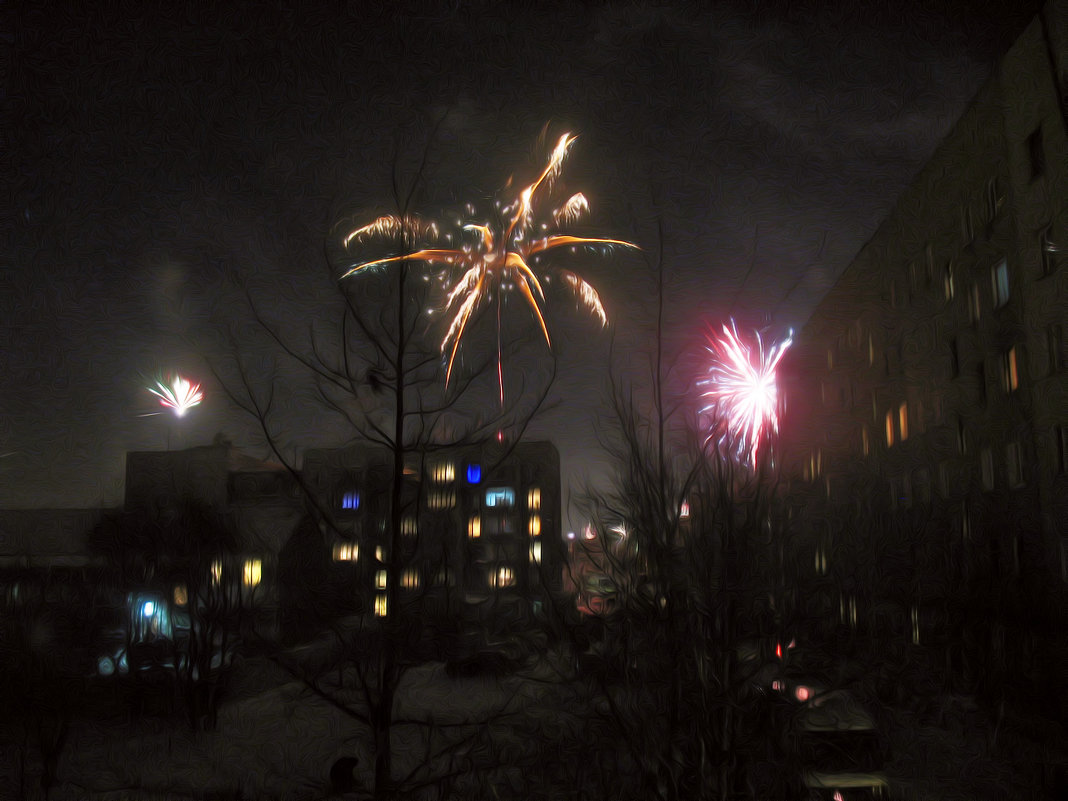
pixel 380 579
pixel 535 552
pixel 380 605
pixel 889 429
pixel 408 527
pixel 903 420
pixel 535 525
pixel 534 498
pixel 504 577
pixel 181 595
pixel 684 510
pixel 1010 377
pixel 346 551
pixel 474 527
pixel 410 579
pixel 253 572
pixel 444 472
pixel 380 554
pixel 216 572
pixel 441 500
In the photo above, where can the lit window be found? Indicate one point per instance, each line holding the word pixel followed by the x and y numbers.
pixel 253 572
pixel 903 420
pixel 408 527
pixel 181 595
pixel 500 497
pixel 441 499
pixel 410 579
pixel 350 500
pixel 443 472
pixel 535 552
pixel 474 527
pixel 1014 464
pixel 889 429
pixel 588 532
pixel 987 468
pixel 1009 378
pixel 346 551
pixel 381 578
pixel 865 442
pixel 504 577
pixel 535 526
pixel 948 283
pixel 684 510
pixel 216 572
pixel 1000 280
pixel 474 473
pixel 380 553
pixel 534 498
pixel 380 605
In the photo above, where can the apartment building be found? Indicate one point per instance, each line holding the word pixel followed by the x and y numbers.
pixel 926 429
pixel 479 535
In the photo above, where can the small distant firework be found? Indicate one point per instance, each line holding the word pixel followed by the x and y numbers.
pixel 742 396
pixel 495 258
pixel 178 394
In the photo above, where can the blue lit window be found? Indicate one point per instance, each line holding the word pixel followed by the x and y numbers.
pixel 350 500
pixel 474 473
pixel 500 496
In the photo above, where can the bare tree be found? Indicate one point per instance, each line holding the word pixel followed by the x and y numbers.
pixel 683 536
pixel 375 368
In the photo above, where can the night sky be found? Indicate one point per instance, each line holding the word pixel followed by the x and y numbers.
pixel 161 159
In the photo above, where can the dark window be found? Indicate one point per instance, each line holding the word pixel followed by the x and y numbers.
pixel 986 464
pixel 1055 337
pixel 1000 282
pixel 1036 152
pixel 954 358
pixel 1014 464
pixel 1052 252
pixel 1060 441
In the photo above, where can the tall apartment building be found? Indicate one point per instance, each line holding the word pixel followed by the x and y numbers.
pixel 926 430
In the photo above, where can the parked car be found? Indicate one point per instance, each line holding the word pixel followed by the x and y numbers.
pixel 838 748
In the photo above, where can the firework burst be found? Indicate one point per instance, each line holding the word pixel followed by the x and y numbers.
pixel 178 395
pixel 496 258
pixel 741 394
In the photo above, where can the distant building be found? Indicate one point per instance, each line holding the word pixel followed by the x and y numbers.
pixel 479 536
pixel 926 431
pixel 259 505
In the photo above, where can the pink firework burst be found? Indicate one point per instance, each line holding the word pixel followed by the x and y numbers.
pixel 178 394
pixel 741 395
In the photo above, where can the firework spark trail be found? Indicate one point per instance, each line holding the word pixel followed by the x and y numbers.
pixel 179 395
pixel 742 395
pixel 496 260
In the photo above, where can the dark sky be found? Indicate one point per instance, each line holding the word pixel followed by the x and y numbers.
pixel 162 158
